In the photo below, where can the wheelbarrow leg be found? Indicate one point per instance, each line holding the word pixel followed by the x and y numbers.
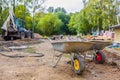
pixel 55 62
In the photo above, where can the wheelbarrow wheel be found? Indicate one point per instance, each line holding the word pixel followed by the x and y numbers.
pixel 77 64
pixel 99 57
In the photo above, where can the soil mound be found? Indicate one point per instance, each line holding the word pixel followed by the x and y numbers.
pixel 36 35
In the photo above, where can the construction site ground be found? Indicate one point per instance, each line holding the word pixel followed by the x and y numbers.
pixel 14 66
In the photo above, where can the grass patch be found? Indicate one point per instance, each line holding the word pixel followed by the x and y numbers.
pixel 66 55
pixel 30 50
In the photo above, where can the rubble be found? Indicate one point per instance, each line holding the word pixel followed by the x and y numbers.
pixel 112 56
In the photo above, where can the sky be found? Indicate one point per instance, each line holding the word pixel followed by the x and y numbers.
pixel 70 5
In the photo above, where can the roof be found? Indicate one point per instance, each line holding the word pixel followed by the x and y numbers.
pixel 115 26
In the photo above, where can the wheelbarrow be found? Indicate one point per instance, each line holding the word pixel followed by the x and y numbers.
pixel 76 49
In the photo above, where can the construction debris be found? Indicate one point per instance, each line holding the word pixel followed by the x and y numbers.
pixel 112 56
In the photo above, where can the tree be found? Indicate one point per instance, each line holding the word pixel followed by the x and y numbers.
pixel 20 10
pixel 35 5
pixel 96 15
pixel 23 9
pixel 37 18
pixel 49 24
pixel 79 23
pixel 4 14
pixel 102 13
pixel 0 9
pixel 28 21
pixel 65 19
pixel 50 9
pixel 72 26
pixel 1 16
pixel 84 2
pixel 59 9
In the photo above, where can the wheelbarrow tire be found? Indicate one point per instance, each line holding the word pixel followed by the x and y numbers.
pixel 77 64
pixel 99 57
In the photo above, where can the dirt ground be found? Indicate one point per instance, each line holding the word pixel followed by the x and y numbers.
pixel 39 68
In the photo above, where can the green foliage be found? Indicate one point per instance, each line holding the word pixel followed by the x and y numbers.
pixel 21 11
pixel 37 18
pixel 0 9
pixel 28 21
pixel 30 50
pixel 72 23
pixel 61 14
pixel 50 9
pixel 56 10
pixel 59 9
pixel 65 19
pixel 79 23
pixel 49 24
pixel 4 14
pixel 103 13
pixel 96 15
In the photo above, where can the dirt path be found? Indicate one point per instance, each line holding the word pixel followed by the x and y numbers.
pixel 39 68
